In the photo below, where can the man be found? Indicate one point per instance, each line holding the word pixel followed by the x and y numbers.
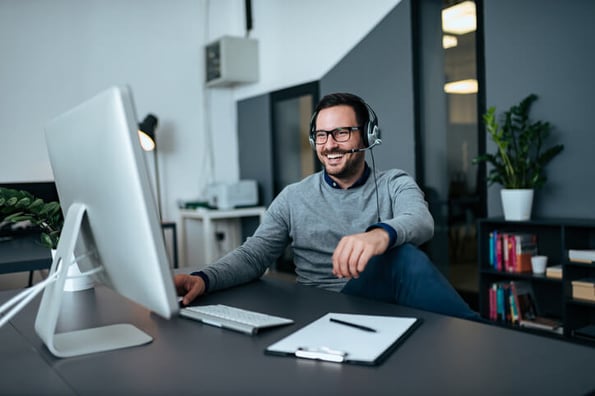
pixel 350 231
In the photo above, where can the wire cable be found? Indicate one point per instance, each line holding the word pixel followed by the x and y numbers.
pixel 375 185
pixel 23 298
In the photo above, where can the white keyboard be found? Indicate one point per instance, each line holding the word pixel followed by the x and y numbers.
pixel 233 318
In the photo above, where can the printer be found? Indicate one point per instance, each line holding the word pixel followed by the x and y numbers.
pixel 232 195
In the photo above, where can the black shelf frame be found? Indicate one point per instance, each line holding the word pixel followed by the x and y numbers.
pixel 555 236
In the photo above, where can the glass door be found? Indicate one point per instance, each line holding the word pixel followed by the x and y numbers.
pixel 293 158
pixel 449 135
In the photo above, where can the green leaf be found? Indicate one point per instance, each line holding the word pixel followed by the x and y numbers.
pixel 47 241
pixel 519 161
pixel 16 206
pixel 23 203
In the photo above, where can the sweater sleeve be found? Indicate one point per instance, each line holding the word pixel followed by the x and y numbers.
pixel 411 217
pixel 250 261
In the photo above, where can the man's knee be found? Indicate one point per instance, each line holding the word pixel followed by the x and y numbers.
pixel 411 261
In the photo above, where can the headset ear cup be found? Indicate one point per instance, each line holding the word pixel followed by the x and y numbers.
pixel 312 130
pixel 372 132
pixel 373 136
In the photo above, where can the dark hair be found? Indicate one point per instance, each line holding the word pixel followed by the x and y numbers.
pixel 337 99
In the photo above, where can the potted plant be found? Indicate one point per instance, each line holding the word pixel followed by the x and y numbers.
pixel 17 206
pixel 521 156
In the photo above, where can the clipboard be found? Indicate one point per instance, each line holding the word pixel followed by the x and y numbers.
pixel 347 338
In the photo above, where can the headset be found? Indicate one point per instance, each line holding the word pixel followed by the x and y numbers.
pixel 371 137
pixel 371 132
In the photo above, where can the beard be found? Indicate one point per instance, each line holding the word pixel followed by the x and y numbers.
pixel 350 168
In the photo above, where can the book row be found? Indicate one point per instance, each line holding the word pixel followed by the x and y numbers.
pixel 586 256
pixel 513 303
pixel 512 251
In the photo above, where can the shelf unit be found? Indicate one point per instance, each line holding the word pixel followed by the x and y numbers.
pixel 553 297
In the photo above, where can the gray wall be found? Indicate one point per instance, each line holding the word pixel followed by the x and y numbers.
pixel 533 46
pixel 254 141
pixel 379 69
pixel 547 47
pixel 255 155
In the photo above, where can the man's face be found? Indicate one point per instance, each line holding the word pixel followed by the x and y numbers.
pixel 334 156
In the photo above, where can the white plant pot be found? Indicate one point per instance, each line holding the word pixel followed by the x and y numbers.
pixel 75 281
pixel 517 203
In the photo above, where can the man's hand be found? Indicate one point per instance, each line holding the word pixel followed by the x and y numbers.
pixel 189 286
pixel 354 251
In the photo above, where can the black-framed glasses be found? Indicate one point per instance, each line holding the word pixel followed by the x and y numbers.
pixel 341 134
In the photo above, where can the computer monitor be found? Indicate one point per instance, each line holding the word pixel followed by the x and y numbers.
pixel 111 220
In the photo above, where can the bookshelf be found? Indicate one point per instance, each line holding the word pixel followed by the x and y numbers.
pixel 552 296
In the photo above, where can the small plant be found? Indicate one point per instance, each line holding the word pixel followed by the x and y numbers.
pixel 520 160
pixel 18 205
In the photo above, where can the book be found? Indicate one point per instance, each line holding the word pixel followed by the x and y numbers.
pixel 584 289
pixel 509 301
pixel 492 249
pixel 554 271
pixel 512 251
pixel 493 299
pixel 543 323
pixel 508 253
pixel 503 312
pixel 582 255
pixel 524 300
pixel 499 255
pixel 525 247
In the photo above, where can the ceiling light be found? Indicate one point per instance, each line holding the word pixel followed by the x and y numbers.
pixel 461 87
pixel 449 41
pixel 460 18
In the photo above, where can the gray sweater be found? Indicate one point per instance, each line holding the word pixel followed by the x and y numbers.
pixel 312 216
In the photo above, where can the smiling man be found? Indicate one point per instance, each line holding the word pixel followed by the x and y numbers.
pixel 342 166
pixel 351 229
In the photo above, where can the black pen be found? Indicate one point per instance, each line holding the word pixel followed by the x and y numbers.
pixel 357 326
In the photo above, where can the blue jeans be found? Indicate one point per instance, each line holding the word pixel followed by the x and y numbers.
pixel 405 275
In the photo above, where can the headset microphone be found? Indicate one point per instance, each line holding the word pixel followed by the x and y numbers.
pixel 376 143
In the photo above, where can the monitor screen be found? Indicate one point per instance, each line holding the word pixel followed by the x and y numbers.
pixel 111 218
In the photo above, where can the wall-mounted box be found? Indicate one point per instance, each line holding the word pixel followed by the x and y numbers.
pixel 230 61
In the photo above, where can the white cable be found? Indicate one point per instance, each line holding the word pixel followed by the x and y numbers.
pixel 27 295
pixel 23 299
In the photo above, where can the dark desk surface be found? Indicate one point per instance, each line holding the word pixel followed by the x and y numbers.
pixel 443 356
pixel 23 253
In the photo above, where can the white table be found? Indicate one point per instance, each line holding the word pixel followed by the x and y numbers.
pixel 208 217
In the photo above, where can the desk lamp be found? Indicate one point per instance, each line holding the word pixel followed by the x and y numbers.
pixel 148 141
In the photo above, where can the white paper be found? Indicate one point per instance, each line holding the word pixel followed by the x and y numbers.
pixel 358 345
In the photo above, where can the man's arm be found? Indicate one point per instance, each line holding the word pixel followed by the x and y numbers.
pixel 189 287
pixel 354 251
pixel 411 223
pixel 411 219
pixel 245 263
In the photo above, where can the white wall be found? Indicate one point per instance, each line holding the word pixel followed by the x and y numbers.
pixel 58 53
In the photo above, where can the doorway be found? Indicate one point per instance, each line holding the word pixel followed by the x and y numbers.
pixel 449 136
pixel 293 158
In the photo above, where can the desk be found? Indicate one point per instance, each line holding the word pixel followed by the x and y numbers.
pixel 208 217
pixel 443 356
pixel 24 253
